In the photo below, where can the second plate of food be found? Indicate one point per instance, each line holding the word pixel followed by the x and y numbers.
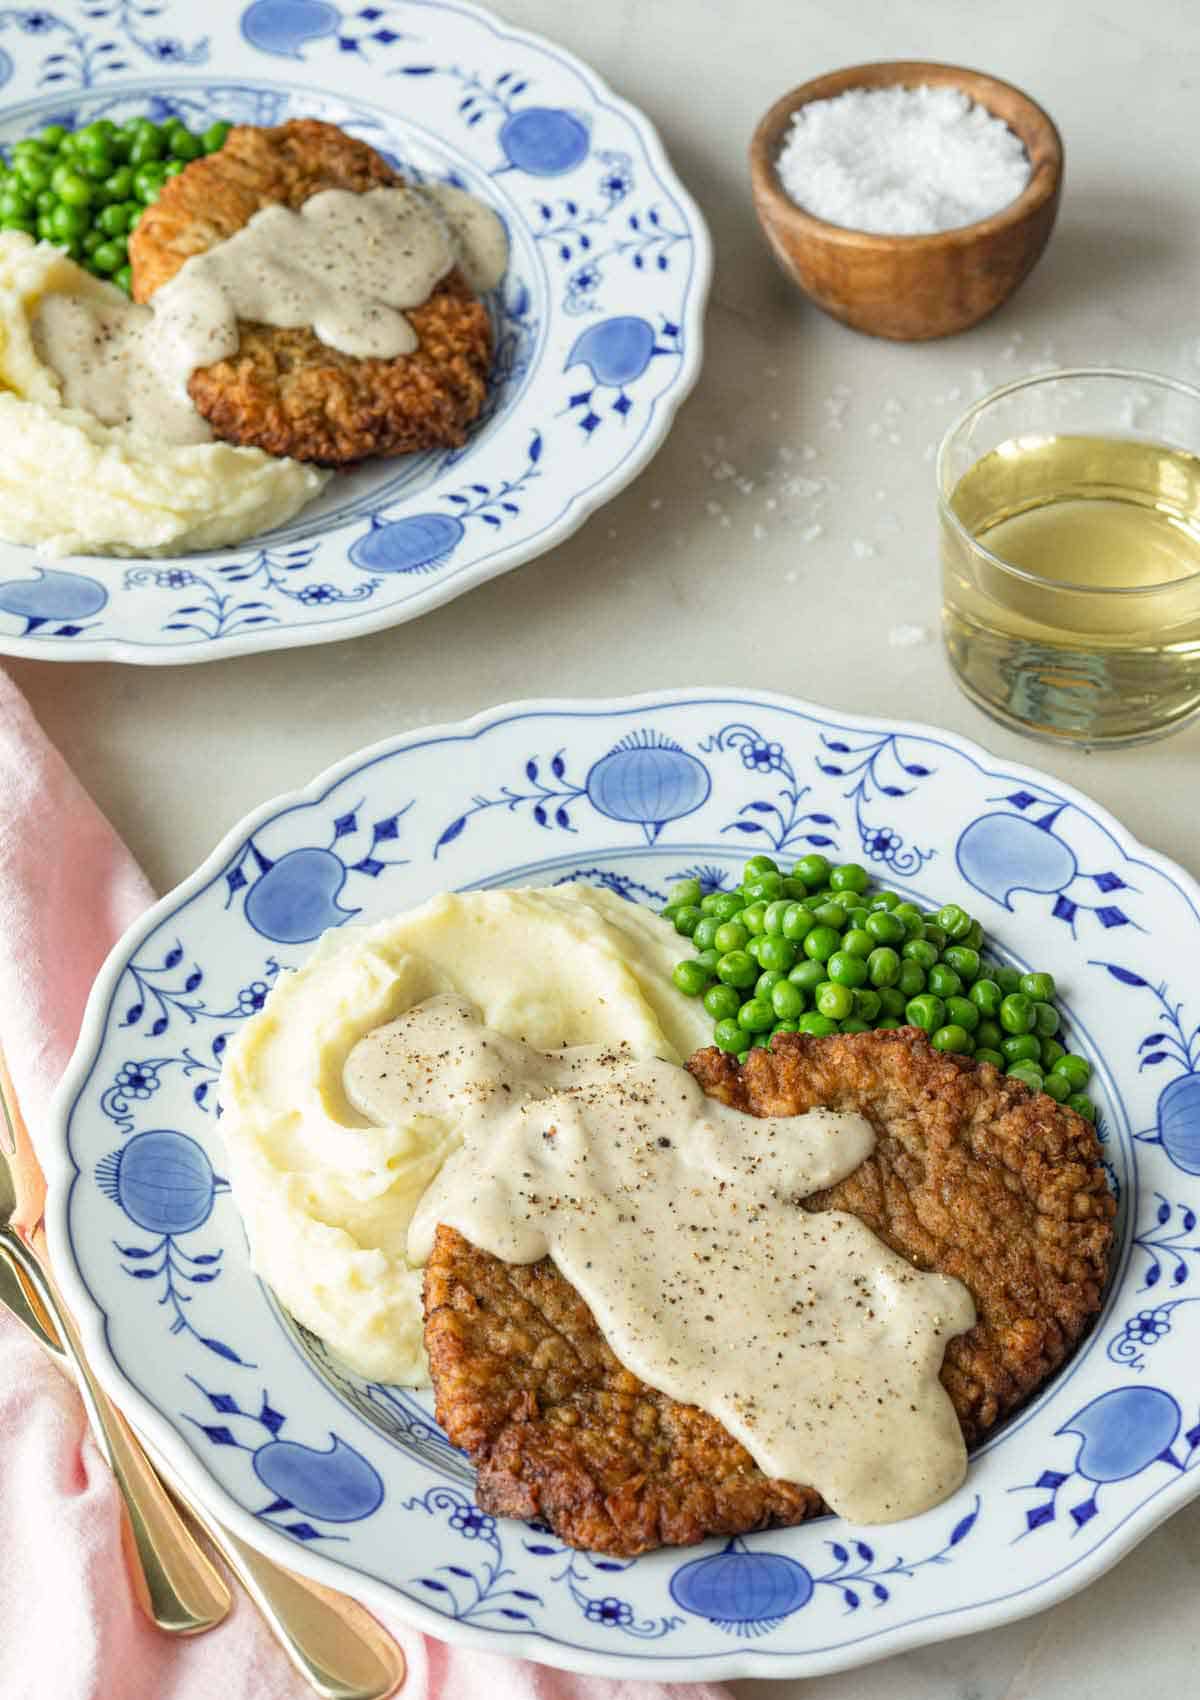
pixel 535 400
pixel 901 875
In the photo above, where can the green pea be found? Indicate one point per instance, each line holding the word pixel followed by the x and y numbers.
pixel 1076 1069
pixel 1046 1020
pixel 67 222
pixel 818 1025
pixel 33 173
pixel 52 136
pixel 821 943
pixel 960 1012
pixel 814 900
pixel 214 137
pixel 1082 1105
pixel 831 914
pixel 147 183
pixel 685 891
pixel 787 1000
pixel 690 978
pixel 124 279
pixel 778 953
pixel 911 919
pixel 760 864
pixel 736 968
pixel 935 935
pixel 793 889
pixel 1021 1047
pixel 96 167
pixel 867 1004
pixel 688 918
pixel 951 1038
pixel 1016 1013
pixel 742 1056
pixel 847 970
pixel 989 1034
pixel 973 937
pixel 148 146
pixel 729 1035
pixel 25 224
pixel 708 904
pixel 942 979
pixel 111 220
pixel 986 996
pixel 808 975
pixel 98 134
pixel 911 980
pixel 786 1026
pixel 813 870
pixel 849 877
pixel 891 1002
pixel 919 951
pixel 707 960
pixel 858 918
pixel 722 1002
pixel 730 935
pixel 837 1002
pixel 884 928
pixel 45 200
pixel 857 941
pixel 753 917
pixel 926 1011
pixel 133 211
pixel 883 966
pixel 1051 1052
pixel 1039 987
pixel 756 1016
pixel 884 899
pixel 1058 1088
pixel 964 961
pixel 854 1025
pixel 766 984
pixel 13 204
pixel 983 1054
pixel 28 148
pixel 956 921
pixel 726 904
pixel 185 146
pixel 1028 1073
pixel 754 945
pixel 797 921
pixel 773 915
pixel 1008 979
pixel 887 1023
pixel 767 886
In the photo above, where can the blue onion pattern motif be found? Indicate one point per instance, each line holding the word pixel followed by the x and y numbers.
pixel 6 68
pixel 615 351
pixel 285 27
pixel 647 780
pixel 1122 1432
pixel 52 595
pixel 1175 1043
pixel 1000 854
pixel 294 899
pixel 544 141
pixel 337 1484
pixel 1179 1122
pixel 419 543
pixel 332 1484
pixel 162 1180
pixel 740 1591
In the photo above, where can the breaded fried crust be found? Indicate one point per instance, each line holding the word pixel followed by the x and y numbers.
pixel 285 391
pixel 972 1175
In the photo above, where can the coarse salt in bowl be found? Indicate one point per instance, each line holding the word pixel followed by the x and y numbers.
pixel 929 192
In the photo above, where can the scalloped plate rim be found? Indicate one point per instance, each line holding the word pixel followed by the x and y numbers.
pixel 540 1647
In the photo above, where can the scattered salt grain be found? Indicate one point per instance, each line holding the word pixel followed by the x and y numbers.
pixel 862 549
pixel 908 637
pixel 902 161
pixel 655 504
pixel 811 533
pixel 760 531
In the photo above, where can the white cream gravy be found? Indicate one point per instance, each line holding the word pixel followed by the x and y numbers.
pixel 344 263
pixel 678 1222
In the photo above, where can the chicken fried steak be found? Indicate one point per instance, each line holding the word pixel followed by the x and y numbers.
pixel 972 1175
pixel 285 390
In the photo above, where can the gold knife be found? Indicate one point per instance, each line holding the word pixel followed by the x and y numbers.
pixel 334 1643
pixel 174 1582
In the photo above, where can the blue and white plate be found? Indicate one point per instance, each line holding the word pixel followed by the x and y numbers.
pixel 597 321
pixel 353 1482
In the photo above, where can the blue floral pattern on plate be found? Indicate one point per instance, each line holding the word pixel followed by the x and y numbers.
pixel 632 796
pixel 597 321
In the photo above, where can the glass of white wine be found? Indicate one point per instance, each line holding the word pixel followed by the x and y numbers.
pixel 1070 540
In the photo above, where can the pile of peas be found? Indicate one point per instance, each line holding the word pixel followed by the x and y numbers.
pixel 84 190
pixel 819 951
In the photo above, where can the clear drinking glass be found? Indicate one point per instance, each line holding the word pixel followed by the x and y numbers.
pixel 1070 542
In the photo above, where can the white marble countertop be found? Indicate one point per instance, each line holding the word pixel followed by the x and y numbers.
pixel 785 537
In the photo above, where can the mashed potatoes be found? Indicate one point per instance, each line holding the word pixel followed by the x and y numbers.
pixel 327 1197
pixel 70 485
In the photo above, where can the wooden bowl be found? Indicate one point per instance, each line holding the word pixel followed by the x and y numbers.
pixel 911 288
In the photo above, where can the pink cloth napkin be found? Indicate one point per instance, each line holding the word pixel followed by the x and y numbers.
pixel 68 1624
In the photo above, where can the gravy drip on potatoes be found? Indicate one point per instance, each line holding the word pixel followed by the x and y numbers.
pixel 678 1221
pixel 347 264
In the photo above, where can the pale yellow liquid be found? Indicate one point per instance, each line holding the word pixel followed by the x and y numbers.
pixel 1082 516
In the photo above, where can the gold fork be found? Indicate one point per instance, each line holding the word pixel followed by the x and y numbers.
pixel 334 1644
